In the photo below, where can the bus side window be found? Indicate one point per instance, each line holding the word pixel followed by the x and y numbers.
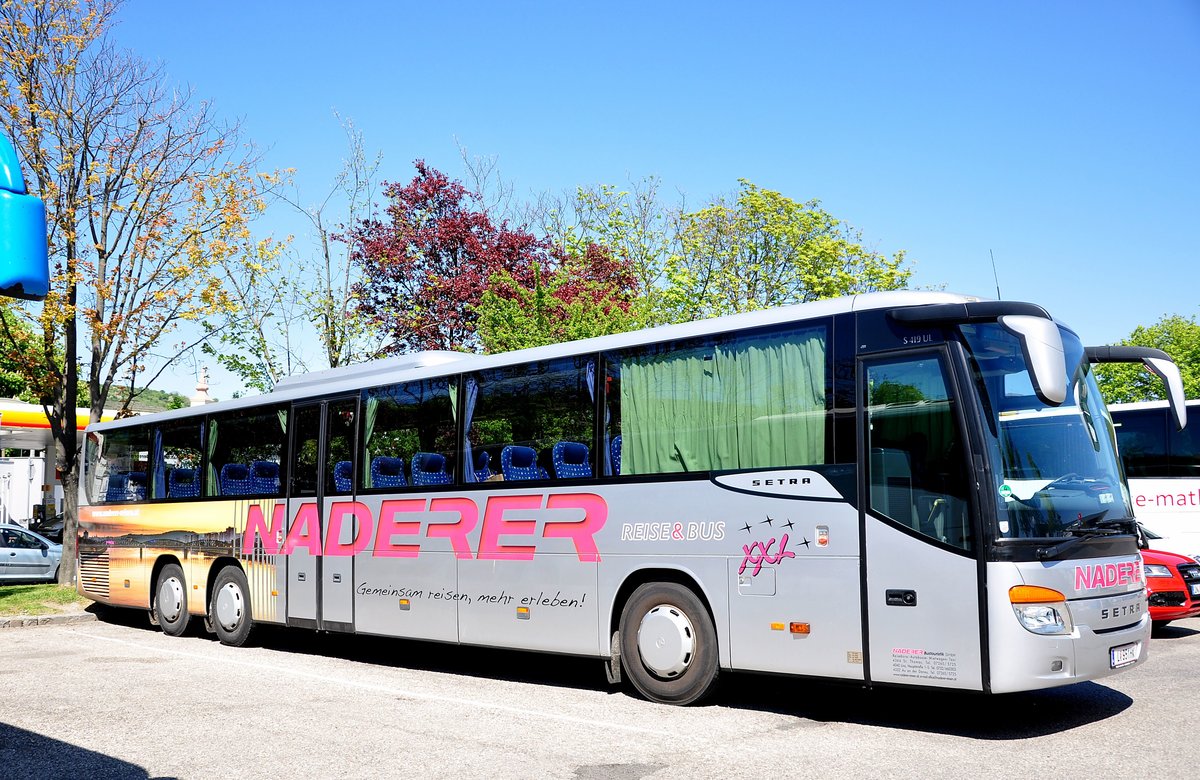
pixel 243 453
pixel 126 453
pixel 916 469
pixel 1184 450
pixel 523 412
pixel 402 422
pixel 753 400
pixel 1142 442
pixel 177 459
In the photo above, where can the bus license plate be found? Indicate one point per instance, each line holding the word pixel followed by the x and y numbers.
pixel 1124 655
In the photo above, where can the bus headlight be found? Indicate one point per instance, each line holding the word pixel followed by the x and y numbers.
pixel 1041 610
pixel 1156 570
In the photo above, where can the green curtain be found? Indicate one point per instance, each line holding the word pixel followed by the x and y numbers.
pixel 369 416
pixel 748 403
pixel 213 488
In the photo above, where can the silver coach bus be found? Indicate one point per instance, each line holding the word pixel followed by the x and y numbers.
pixel 825 490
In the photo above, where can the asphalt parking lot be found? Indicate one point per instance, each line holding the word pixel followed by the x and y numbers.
pixel 118 699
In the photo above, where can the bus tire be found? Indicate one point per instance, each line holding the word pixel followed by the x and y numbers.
pixel 668 644
pixel 229 611
pixel 170 601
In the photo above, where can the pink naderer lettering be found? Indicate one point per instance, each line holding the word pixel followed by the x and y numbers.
pixel 397 532
pixel 1107 575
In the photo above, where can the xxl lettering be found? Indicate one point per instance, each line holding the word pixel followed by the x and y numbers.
pixel 362 534
pixel 759 553
pixel 256 527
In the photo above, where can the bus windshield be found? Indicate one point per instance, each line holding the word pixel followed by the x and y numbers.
pixel 1056 468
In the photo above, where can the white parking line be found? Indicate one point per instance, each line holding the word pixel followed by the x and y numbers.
pixel 399 691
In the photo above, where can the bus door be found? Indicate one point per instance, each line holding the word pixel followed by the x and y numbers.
pixel 338 516
pixel 304 504
pixel 321 588
pixel 922 577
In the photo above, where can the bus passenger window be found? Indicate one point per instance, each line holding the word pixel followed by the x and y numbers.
pixel 244 453
pixel 1184 450
pixel 177 460
pixel 341 422
pixel 403 426
pixel 916 469
pixel 121 466
pixel 521 414
pixel 1142 442
pixel 752 400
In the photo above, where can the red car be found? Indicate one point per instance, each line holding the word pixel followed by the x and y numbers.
pixel 1172 586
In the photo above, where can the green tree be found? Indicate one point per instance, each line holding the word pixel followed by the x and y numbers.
pixel 1174 334
pixel 630 223
pixel 765 250
pixel 148 196
pixel 586 295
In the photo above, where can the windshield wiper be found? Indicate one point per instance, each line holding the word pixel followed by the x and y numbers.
pixel 1082 529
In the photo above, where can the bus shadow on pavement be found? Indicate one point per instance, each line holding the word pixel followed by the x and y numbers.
pixel 1174 631
pixel 26 754
pixel 484 662
pixel 954 713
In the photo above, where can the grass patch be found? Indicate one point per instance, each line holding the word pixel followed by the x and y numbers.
pixel 39 599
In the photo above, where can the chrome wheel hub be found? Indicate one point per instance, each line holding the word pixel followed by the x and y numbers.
pixel 170 599
pixel 666 641
pixel 230 606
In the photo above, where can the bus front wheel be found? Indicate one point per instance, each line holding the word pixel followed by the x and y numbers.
pixel 229 611
pixel 170 600
pixel 668 644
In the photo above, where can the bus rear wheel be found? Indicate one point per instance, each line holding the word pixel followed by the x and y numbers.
pixel 170 600
pixel 229 611
pixel 668 644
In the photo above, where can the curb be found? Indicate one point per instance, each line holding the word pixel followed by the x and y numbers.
pixel 25 621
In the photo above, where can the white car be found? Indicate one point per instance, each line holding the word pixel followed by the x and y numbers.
pixel 25 555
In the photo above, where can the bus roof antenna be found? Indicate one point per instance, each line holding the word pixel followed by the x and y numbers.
pixel 995 275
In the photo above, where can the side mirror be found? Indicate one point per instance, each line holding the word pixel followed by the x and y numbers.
pixel 1042 347
pixel 1156 362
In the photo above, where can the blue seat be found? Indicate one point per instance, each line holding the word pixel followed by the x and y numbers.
pixel 264 477
pixel 136 490
pixel 616 454
pixel 343 476
pixel 118 487
pixel 235 480
pixel 429 468
pixel 182 483
pixel 571 460
pixel 518 463
pixel 387 471
pixel 482 467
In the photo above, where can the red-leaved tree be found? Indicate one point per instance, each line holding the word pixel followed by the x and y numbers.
pixel 426 266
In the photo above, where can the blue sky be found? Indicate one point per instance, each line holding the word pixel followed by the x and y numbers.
pixel 1061 136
